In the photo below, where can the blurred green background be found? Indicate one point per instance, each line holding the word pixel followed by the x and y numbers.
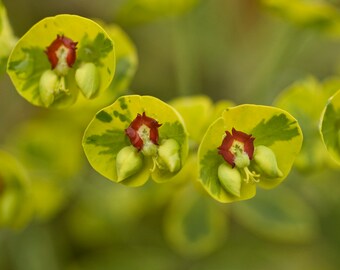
pixel 245 51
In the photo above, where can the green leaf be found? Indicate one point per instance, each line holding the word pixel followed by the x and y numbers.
pixel 208 172
pixel 96 49
pixel 279 215
pixel 297 99
pixel 7 38
pixel 104 139
pixel 111 141
pixel 15 198
pixel 193 225
pixel 330 126
pixel 285 142
pixel 277 128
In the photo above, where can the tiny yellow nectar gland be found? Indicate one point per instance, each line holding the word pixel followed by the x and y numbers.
pixel 230 178
pixel 168 152
pixel 88 79
pixel 48 85
pixel 265 160
pixel 128 162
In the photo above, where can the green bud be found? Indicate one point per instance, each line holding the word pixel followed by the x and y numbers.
pixel 149 148
pixel 168 152
pixel 230 179
pixel 87 78
pixel 128 162
pixel 48 85
pixel 266 162
pixel 241 160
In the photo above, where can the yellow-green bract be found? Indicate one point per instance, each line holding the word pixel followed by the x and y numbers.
pixel 270 126
pixel 297 100
pixel 51 159
pixel 7 38
pixel 15 201
pixel 105 137
pixel 126 66
pixel 319 15
pixel 198 112
pixel 330 126
pixel 28 61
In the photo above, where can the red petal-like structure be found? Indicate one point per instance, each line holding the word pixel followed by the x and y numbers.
pixel 68 43
pixel 236 136
pixel 136 124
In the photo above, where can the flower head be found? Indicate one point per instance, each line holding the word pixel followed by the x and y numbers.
pixel 52 64
pixel 142 131
pixel 237 148
pixel 62 53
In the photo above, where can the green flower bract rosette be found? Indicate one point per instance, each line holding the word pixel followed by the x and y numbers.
pixel 106 138
pixel 31 65
pixel 273 133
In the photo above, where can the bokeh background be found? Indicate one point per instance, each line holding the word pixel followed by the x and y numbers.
pixel 244 51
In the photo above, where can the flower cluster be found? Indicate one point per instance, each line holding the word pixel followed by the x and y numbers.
pixel 143 135
pixel 135 139
pixel 62 54
pixel 238 151
pixel 248 146
pixel 51 64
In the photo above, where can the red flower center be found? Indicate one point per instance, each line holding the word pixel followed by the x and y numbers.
pixel 235 145
pixel 142 130
pixel 62 53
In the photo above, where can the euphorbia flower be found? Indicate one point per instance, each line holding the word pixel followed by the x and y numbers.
pixel 53 63
pixel 142 131
pixel 62 54
pixel 237 149
pixel 235 146
pixel 135 139
pixel 248 146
